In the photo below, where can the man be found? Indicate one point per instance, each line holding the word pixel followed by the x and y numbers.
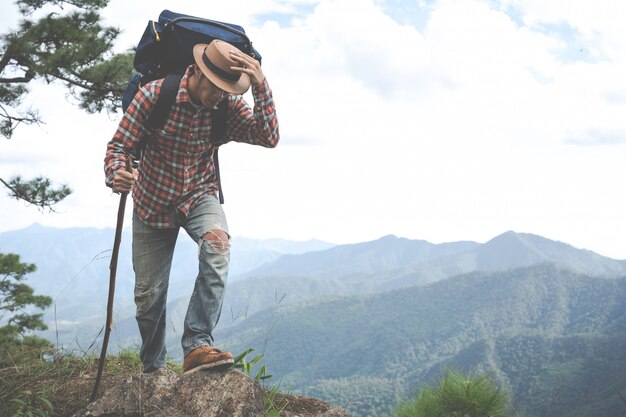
pixel 176 185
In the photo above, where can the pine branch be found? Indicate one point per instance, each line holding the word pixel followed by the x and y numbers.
pixel 36 192
pixel 11 121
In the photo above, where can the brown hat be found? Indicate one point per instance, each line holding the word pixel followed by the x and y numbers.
pixel 214 61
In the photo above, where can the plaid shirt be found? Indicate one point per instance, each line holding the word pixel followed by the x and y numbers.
pixel 178 168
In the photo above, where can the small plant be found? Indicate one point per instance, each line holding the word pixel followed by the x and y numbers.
pixel 242 363
pixel 458 394
pixel 29 404
pixel 273 404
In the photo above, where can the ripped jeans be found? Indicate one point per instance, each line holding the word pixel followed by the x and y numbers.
pixel 153 250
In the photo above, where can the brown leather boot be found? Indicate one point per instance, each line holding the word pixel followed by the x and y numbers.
pixel 207 357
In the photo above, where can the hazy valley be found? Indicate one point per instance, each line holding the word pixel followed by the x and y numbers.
pixel 364 325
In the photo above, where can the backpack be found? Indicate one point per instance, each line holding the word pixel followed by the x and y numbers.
pixel 165 50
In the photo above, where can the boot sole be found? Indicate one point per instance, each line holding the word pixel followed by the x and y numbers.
pixel 213 366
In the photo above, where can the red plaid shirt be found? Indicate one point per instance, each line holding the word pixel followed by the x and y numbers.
pixel 180 168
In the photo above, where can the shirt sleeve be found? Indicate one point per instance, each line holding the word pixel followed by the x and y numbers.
pixel 258 126
pixel 129 131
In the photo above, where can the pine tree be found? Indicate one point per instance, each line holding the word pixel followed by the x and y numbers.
pixel 16 302
pixel 458 395
pixel 70 45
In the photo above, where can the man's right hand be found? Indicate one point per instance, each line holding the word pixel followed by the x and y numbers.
pixel 123 181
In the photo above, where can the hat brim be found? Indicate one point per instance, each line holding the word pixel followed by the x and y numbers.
pixel 238 87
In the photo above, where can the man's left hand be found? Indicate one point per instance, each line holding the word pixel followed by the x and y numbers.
pixel 248 65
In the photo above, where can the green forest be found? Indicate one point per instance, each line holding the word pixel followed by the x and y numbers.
pixel 550 335
pixel 553 338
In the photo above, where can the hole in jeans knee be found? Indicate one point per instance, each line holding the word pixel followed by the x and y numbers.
pixel 218 240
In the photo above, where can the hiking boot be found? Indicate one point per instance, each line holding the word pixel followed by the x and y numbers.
pixel 207 357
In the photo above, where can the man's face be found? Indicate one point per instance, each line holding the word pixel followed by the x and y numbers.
pixel 205 92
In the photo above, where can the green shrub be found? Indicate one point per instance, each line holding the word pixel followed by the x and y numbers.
pixel 458 395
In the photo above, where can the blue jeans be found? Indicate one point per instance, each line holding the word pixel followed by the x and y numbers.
pixel 153 250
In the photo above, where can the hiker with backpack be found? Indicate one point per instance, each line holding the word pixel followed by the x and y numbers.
pixel 176 185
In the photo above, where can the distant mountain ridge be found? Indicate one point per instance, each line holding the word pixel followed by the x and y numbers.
pixel 73 267
pixel 46 245
pixel 366 323
pixel 508 250
pixel 512 249
pixel 35 239
pixel 388 252
pixel 73 264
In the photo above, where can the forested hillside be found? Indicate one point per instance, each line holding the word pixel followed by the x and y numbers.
pixel 543 331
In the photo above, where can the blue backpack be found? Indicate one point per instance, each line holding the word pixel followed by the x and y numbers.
pixel 165 51
pixel 166 47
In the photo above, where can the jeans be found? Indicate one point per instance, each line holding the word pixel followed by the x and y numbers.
pixel 153 251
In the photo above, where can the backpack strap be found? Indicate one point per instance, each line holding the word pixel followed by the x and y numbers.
pixel 165 101
pixel 219 117
pixel 158 114
pixel 162 107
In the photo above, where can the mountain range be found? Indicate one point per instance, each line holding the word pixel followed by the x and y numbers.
pixel 542 331
pixel 73 263
pixel 364 325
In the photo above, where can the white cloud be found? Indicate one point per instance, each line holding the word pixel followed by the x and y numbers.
pixel 459 128
pixel 600 23
pixel 597 137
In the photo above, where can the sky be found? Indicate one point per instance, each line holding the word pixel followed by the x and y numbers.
pixel 435 120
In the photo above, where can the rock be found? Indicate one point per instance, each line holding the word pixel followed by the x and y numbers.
pixel 165 393
pixel 297 406
pixel 200 394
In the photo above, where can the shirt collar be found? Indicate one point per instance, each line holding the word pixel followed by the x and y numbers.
pixel 183 91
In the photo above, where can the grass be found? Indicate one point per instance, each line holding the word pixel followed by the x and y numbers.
pixel 273 403
pixel 62 385
pixel 66 382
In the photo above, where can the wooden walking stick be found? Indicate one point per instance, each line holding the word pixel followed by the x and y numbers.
pixel 113 271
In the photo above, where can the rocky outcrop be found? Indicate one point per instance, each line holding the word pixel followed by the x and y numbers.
pixel 207 394
pixel 296 406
